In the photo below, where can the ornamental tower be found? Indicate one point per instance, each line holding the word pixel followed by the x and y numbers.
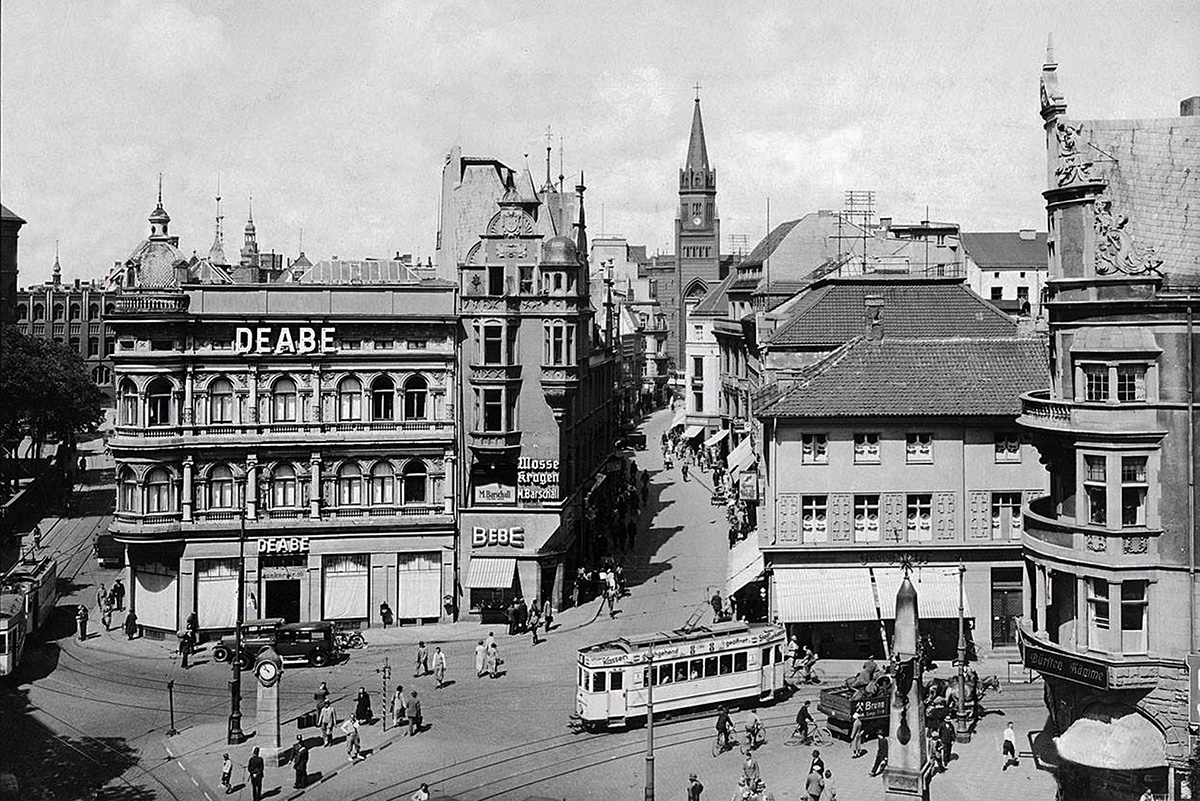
pixel 697 228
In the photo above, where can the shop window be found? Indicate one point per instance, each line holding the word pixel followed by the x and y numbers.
pixel 1133 491
pixel 130 496
pixel 1131 383
pixel 1133 617
pixel 814 449
pixel 283 487
pixel 1095 382
pixel 220 401
pixel 350 400
pixel 158 491
pixel 383 484
pixel 866 518
pixel 1006 515
pixel 158 403
pixel 416 480
pixel 383 398
pixel 1095 489
pixel 918 447
pixel 919 517
pixel 416 393
pixel 349 483
pixel 1008 448
pixel 283 401
pixel 814 513
pixel 220 488
pixel 866 448
pixel 1098 620
pixel 128 403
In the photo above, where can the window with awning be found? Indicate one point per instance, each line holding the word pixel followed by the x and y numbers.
pixel 490 573
pixel 820 595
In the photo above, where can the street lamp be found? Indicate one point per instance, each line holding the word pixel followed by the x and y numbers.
pixel 962 728
pixel 235 736
pixel 650 727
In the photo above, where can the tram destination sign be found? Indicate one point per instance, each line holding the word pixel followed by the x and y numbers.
pixel 1072 668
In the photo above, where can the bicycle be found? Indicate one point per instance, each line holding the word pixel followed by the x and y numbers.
pixel 724 742
pixel 818 736
pixel 757 737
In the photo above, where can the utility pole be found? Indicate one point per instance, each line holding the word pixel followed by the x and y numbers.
pixel 235 736
pixel 962 728
pixel 650 727
pixel 386 672
pixel 171 732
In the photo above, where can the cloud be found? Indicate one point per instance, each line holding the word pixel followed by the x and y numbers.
pixel 164 41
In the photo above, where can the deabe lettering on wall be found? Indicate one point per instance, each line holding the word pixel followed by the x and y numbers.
pixel 276 341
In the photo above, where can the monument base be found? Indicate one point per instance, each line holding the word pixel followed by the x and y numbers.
pixel 275 757
pixel 902 784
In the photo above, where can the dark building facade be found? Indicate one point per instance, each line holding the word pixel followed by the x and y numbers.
pixel 10 228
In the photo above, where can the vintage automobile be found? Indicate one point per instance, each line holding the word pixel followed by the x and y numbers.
pixel 308 643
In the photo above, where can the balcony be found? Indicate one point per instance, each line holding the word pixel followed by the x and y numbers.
pixel 151 305
pixel 357 431
pixel 1039 410
pixel 1045 533
pixel 494 373
pixel 495 442
pixel 132 526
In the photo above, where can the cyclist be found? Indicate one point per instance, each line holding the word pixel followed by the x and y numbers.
pixel 793 652
pixel 808 663
pixel 803 719
pixel 754 729
pixel 724 727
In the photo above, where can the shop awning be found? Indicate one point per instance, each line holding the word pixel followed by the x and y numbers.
pixel 693 431
pixel 1113 738
pixel 745 565
pixel 679 419
pixel 937 591
pixel 488 573
pixel 742 457
pixel 819 595
pixel 716 438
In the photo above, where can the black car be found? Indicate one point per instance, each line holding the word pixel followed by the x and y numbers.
pixel 308 643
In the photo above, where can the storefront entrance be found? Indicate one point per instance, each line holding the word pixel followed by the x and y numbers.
pixel 1006 605
pixel 281 576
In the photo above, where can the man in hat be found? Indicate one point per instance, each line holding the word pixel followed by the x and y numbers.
pixel 694 788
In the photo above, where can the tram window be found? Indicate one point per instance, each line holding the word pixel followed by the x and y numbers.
pixel 3 642
pixel 580 677
pixel 587 681
pixel 739 661
pixel 766 656
pixel 726 663
pixel 710 666
pixel 616 681
pixel 778 654
pixel 681 671
pixel 598 681
pixel 664 674
pixel 697 669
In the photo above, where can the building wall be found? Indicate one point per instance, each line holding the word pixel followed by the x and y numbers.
pixel 702 345
pixel 87 333
pixel 1008 283
pixel 10 227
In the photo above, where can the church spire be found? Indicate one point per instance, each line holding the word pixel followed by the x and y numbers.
pixel 216 254
pixel 581 241
pixel 697 155
pixel 159 219
pixel 57 266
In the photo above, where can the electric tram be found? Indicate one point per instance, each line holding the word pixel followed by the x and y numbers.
pixel 28 594
pixel 686 669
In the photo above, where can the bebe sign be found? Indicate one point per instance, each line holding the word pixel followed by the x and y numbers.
pixel 483 537
pixel 267 340
pixel 283 545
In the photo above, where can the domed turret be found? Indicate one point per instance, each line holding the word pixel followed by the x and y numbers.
pixel 559 251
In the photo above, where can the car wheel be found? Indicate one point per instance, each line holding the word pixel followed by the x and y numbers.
pixel 244 661
pixel 220 654
pixel 318 659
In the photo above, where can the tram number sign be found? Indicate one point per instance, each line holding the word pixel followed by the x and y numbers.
pixel 1193 666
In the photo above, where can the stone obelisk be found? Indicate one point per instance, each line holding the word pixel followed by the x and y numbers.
pixel 905 778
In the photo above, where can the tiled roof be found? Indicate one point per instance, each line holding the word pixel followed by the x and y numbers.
pixel 964 377
pixel 763 250
pixel 999 250
pixel 834 311
pixel 717 299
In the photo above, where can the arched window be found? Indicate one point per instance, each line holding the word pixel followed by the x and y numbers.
pixel 110 308
pixel 129 498
pixel 76 311
pixel 283 401
pixel 383 396
pixel 349 482
pixel 283 487
pixel 415 480
pixel 415 394
pixel 220 401
pixel 93 311
pixel 159 406
pixel 128 403
pixel 74 343
pixel 350 399
pixel 22 311
pixel 220 488
pixel 158 491
pixel 383 485
pixel 59 311
pixel 39 311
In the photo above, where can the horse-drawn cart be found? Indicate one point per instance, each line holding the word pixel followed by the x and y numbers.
pixel 840 703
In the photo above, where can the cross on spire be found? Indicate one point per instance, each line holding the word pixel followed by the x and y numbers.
pixel 697 88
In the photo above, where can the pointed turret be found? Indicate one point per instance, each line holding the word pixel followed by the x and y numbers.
pixel 1053 103
pixel 250 245
pixel 581 241
pixel 216 254
pixel 57 267
pixel 159 219
pixel 697 155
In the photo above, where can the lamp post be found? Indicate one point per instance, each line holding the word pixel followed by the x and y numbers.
pixel 650 728
pixel 962 727
pixel 235 736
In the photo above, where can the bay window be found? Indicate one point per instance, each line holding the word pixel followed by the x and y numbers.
pixel 1098 619
pixel 1133 491
pixel 1133 617
pixel 1095 489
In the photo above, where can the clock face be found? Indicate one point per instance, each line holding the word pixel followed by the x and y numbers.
pixel 268 673
pixel 696 220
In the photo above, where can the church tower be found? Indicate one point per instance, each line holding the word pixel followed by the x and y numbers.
pixel 697 229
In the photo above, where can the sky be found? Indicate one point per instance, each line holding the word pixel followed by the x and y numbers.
pixel 336 117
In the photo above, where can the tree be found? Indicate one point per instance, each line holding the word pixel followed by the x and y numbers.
pixel 46 392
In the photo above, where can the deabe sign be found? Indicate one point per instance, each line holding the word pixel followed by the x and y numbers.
pixel 269 340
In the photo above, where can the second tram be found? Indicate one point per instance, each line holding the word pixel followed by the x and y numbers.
pixel 28 595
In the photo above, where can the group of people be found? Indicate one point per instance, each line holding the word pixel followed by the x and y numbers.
pixel 524 617
pixel 803 661
pixel 487 658
pixel 606 582
pixel 108 601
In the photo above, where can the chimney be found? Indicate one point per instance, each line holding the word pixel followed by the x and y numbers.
pixel 885 224
pixel 874 306
pixel 1027 234
pixel 1190 107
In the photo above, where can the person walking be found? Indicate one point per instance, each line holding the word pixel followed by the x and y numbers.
pixel 327 719
pixel 684 470
pixel 118 591
pixel 300 763
pixel 227 774
pixel 480 655
pixel 856 737
pixel 535 620
pixel 106 613
pixel 101 597
pixel 439 667
pixel 814 785
pixel 547 614
pixel 353 740
pixel 362 706
pixel 493 660
pixel 422 793
pixel 817 763
pixel 412 708
pixel 321 695
pixel 694 788
pixel 881 755
pixel 1009 749
pixel 829 790
pixel 81 617
pixel 422 668
pixel 193 627
pixel 398 706
pixel 254 769
pixel 131 625
pixel 750 770
pixel 947 735
pixel 185 648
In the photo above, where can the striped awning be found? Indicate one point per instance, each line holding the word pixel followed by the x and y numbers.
pixel 741 458
pixel 937 591
pixel 716 438
pixel 744 566
pixel 489 573
pixel 679 419
pixel 693 431
pixel 822 595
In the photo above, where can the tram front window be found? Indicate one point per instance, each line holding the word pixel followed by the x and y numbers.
pixel 598 682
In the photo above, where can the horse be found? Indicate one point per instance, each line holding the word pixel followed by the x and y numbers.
pixel 975 689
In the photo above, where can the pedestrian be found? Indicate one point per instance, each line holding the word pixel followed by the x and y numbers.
pixel 193 627
pixel 439 667
pixel 412 708
pixel 611 596
pixel 422 668
pixel 881 755
pixel 750 771
pixel 817 763
pixel 327 719
pixel 645 487
pixel 131 625
pixel 321 695
pixel 684 470
pixel 535 617
pixel 1009 749
pixel 422 793
pixel 106 611
pixel 254 769
pixel 493 660
pixel 185 648
pixel 227 774
pixel 300 763
pixel 694 788
pixel 362 706
pixel 101 597
pixel 83 470
pixel 548 614
pixel 81 617
pixel 814 785
pixel 522 614
pixel 856 736
pixel 479 658
pixel 947 735
pixel 630 534
pixel 398 706
pixel 510 612
pixel 385 614
pixel 118 591
pixel 829 790
pixel 353 739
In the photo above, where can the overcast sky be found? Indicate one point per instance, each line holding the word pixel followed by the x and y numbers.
pixel 337 117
